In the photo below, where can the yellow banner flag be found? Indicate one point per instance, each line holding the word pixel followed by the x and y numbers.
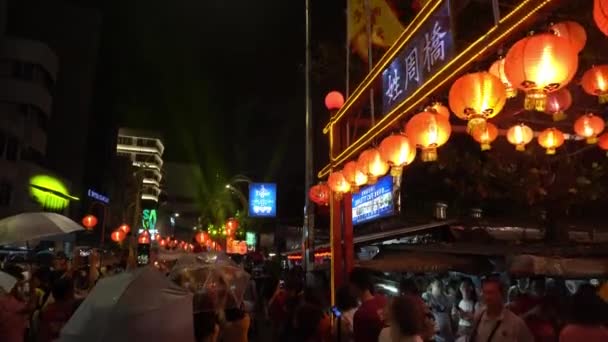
pixel 385 25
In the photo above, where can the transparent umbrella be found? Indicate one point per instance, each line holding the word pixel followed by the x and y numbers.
pixel 215 280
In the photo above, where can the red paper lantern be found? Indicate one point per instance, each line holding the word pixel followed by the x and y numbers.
pixel 118 235
pixel 439 108
pixel 337 183
pixel 558 102
pixel 232 225
pixel 498 69
pixel 600 15
pixel 572 31
pixel 477 97
pixel 201 237
pixel 396 150
pixel 551 139
pixel 602 142
pixel 125 228
pixel 89 222
pixel 162 242
pixel 319 194
pixel 354 175
pixel 595 82
pixel 428 131
pixel 144 238
pixel 334 100
pixel 520 135
pixel 485 135
pixel 372 164
pixel 540 64
pixel 589 126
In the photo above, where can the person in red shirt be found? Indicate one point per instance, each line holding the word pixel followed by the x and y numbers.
pixel 367 321
pixel 55 315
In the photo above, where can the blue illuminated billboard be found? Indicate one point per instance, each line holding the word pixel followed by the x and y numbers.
pixel 374 201
pixel 262 200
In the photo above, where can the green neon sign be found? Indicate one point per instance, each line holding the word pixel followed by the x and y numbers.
pixel 148 219
pixel 50 192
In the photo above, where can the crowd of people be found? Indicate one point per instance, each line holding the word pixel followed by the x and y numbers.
pixel 41 301
pixel 440 309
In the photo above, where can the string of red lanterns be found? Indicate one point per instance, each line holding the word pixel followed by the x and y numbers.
pixel 477 97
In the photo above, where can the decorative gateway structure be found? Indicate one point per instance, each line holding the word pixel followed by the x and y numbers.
pixel 499 69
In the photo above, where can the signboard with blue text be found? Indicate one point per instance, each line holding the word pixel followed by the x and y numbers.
pixel 374 201
pixel 262 200
pixel 97 196
pixel 428 50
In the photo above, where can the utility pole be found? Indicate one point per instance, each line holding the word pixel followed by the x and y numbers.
pixel 309 218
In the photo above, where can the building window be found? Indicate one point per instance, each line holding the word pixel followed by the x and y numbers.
pixel 6 190
pixel 12 149
pixel 125 140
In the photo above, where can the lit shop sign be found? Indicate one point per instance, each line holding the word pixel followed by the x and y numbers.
pixel 262 200
pixel 427 51
pixel 148 222
pixel 374 201
pixel 251 239
pixel 97 196
pixel 236 247
pixel 50 193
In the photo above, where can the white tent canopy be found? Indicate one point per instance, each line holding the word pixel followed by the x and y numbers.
pixel 133 306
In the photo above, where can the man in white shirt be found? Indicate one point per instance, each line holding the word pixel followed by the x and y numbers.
pixel 497 323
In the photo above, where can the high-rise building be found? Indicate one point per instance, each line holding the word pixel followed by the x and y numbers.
pixel 28 75
pixel 145 150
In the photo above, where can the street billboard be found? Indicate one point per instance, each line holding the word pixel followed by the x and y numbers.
pixel 374 201
pixel 262 200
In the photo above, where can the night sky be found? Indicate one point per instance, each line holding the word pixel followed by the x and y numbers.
pixel 223 81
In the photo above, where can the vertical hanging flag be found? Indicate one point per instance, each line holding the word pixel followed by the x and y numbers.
pixel 386 27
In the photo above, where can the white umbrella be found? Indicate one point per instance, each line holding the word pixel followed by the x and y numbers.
pixel 216 281
pixel 7 282
pixel 32 226
pixel 142 305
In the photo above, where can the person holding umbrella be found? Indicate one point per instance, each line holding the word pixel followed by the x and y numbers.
pixel 14 310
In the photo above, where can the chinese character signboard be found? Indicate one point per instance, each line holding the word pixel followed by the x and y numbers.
pixel 374 201
pixel 428 50
pixel 262 200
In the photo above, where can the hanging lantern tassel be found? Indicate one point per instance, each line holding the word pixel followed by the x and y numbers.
pixel 476 123
pixel 560 115
pixel 536 100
